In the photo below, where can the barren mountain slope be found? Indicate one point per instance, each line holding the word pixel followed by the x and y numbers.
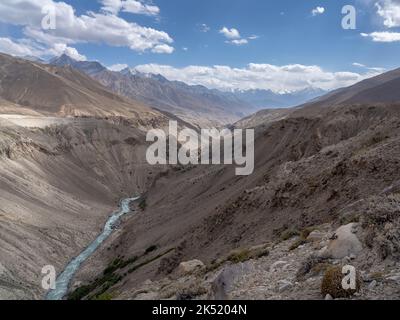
pixel 308 169
pixel 195 104
pixel 379 89
pixel 65 92
pixel 263 118
pixel 58 185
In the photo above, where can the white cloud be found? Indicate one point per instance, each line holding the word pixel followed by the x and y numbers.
pixel 317 11
pixel 384 36
pixel 259 76
pixel 230 33
pixel 62 48
pixel 163 48
pixel 363 66
pixel 27 47
pixel 131 6
pixel 104 28
pixel 239 42
pixel 16 48
pixel 204 28
pixel 389 10
pixel 117 67
pixel 234 37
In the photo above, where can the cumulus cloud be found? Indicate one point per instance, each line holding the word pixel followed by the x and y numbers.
pixel 117 67
pixel 230 33
pixel 27 47
pixel 234 37
pixel 389 10
pixel 131 6
pixel 259 76
pixel 383 36
pixel 317 11
pixel 103 28
pixel 62 48
pixel 16 48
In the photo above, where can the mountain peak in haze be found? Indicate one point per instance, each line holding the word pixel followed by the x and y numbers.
pixel 89 67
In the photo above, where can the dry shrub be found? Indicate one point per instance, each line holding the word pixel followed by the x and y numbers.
pixel 332 284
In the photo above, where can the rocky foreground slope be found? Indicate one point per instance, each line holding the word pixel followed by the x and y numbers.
pixel 318 171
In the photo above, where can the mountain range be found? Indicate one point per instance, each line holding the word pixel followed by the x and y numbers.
pixel 267 99
pixel 197 105
pixel 71 148
pixel 47 90
pixel 194 104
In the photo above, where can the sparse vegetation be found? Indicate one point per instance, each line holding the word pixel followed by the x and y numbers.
pixel 378 276
pixel 381 220
pixel 332 284
pixel 134 268
pixel 240 255
pixel 143 205
pixel 105 297
pixel 289 234
pixel 350 218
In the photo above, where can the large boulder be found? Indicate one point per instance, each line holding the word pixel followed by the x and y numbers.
pixel 343 243
pixel 223 283
pixel 191 267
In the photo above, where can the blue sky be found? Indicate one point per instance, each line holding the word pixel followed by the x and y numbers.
pixel 182 34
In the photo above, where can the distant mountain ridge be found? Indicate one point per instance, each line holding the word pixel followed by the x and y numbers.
pixel 195 104
pixel 32 87
pixel 381 89
pixel 267 99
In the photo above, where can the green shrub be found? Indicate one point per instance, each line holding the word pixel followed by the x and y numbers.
pixel 105 297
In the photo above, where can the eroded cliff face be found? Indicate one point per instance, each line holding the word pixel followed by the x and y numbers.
pixel 58 185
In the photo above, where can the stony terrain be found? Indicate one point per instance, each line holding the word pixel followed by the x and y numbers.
pixel 287 269
pixel 310 171
pixel 325 192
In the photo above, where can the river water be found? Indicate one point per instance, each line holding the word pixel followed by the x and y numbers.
pixel 63 281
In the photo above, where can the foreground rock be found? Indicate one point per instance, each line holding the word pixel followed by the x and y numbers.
pixel 191 267
pixel 344 243
pixel 284 274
